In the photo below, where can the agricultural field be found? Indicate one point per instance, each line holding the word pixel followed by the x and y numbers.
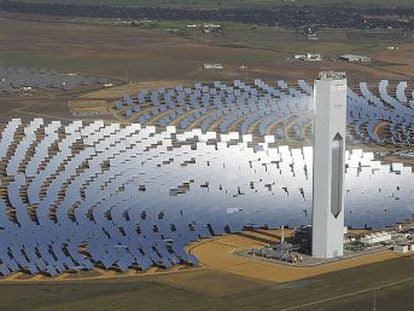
pixel 152 58
pixel 351 289
pixel 148 55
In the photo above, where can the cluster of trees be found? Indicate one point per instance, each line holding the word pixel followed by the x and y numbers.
pixel 285 16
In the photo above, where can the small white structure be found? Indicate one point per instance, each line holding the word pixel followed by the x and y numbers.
pixel 300 56
pixel 355 58
pixel 313 36
pixel 213 66
pixel 308 57
pixel 346 230
pixel 410 234
pixel 312 57
pixel 375 238
pixel 393 48
pixel 402 248
pixel 205 25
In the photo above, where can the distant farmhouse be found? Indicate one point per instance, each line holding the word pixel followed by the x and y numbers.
pixel 213 66
pixel 212 28
pixel 308 57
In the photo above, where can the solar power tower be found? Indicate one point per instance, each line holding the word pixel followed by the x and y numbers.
pixel 329 164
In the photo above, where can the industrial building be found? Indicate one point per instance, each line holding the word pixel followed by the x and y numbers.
pixel 404 248
pixel 308 57
pixel 212 66
pixel 355 58
pixel 376 238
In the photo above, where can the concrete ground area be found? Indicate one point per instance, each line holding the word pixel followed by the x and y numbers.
pixel 224 254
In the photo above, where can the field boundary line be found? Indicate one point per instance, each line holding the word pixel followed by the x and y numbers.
pixel 355 293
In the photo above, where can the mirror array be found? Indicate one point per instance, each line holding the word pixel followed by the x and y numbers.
pixel 384 115
pixel 78 196
pixel 16 79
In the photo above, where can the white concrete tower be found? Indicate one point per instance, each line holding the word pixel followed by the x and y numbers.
pixel 329 165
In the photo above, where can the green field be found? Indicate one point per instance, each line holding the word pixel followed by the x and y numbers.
pixel 231 3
